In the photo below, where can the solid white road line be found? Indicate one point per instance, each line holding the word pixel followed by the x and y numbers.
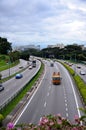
pixel 45 104
pixel 29 100
pixel 76 101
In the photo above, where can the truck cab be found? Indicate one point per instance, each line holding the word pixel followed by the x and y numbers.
pixel 56 78
pixel 34 63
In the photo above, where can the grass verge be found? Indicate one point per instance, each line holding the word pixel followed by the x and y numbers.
pixel 8 108
pixel 4 67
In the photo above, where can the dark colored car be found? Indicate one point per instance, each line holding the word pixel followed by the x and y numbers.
pixel 20 67
pixel 78 67
pixel 1 87
pixel 18 76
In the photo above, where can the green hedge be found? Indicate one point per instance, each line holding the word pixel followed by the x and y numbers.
pixel 81 86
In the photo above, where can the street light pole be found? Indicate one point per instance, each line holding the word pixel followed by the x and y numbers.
pixel 9 62
pixel 9 68
pixel 75 63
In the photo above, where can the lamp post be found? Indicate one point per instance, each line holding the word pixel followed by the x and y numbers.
pixel 9 62
pixel 9 68
pixel 75 64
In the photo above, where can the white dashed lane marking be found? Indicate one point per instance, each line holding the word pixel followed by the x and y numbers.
pixel 66 114
pixel 45 104
pixel 47 94
pixel 66 105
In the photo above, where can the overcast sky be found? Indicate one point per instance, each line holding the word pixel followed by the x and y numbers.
pixel 43 22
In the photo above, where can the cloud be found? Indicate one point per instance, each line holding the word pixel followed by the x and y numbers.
pixel 26 21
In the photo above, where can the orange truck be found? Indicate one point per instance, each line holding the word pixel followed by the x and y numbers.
pixel 56 78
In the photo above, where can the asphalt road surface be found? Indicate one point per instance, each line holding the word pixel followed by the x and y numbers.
pixel 12 86
pixel 77 70
pixel 52 99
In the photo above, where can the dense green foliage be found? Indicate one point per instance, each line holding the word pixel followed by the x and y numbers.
pixel 81 86
pixel 5 46
pixel 69 52
pixel 25 55
pixel 6 49
pixel 5 61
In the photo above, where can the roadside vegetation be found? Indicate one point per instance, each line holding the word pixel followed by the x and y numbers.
pixel 79 82
pixel 9 58
pixel 5 62
pixel 50 122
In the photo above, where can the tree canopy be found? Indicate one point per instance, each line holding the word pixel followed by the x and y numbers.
pixel 5 46
pixel 69 52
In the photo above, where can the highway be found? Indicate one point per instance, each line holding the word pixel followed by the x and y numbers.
pixel 77 70
pixel 52 99
pixel 13 70
pixel 13 85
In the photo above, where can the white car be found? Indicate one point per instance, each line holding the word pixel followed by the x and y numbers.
pixel 30 67
pixel 82 72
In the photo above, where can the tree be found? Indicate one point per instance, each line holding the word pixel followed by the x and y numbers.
pixel 25 55
pixel 13 56
pixel 5 46
pixel 81 57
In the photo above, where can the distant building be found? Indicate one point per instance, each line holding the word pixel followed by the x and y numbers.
pixel 57 45
pixel 82 46
pixel 26 47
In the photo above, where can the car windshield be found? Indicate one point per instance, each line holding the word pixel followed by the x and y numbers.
pixel 0 85
pixel 56 78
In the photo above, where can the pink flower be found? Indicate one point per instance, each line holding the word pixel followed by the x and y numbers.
pixel 51 123
pixel 59 117
pixel 43 121
pixel 74 128
pixel 10 126
pixel 77 119
pixel 59 122
pixel 18 128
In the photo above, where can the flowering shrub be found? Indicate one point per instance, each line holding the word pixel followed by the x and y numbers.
pixel 1 119
pixel 50 122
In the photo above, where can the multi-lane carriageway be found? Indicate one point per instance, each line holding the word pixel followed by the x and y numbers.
pixel 52 99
